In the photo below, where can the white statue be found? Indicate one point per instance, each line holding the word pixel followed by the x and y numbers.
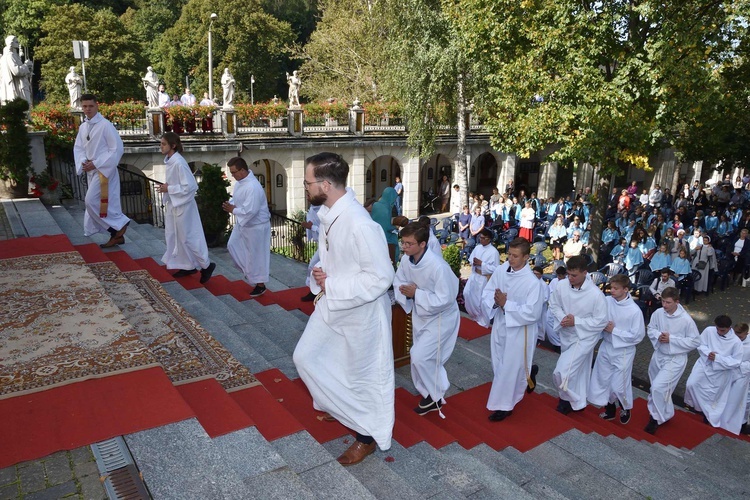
pixel 25 83
pixel 227 82
pixel 12 71
pixel 74 82
pixel 151 84
pixel 294 85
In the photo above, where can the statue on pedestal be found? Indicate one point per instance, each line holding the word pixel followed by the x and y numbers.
pixel 227 83
pixel 74 82
pixel 13 72
pixel 294 84
pixel 151 84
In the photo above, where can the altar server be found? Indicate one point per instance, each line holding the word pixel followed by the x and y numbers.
pixel 186 243
pixel 484 259
pixel 737 411
pixel 611 379
pixel 250 242
pixel 707 388
pixel 580 314
pixel 345 354
pixel 514 298
pixel 426 287
pixel 311 225
pixel 673 334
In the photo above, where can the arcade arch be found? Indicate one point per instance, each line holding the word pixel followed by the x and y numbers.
pixel 380 174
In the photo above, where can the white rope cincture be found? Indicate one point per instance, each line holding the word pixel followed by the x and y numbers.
pixel 437 370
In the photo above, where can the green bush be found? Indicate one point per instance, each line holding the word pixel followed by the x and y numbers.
pixel 15 158
pixel 212 192
pixel 452 255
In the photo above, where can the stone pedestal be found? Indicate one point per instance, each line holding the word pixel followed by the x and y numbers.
pixel 357 121
pixel 78 114
pixel 295 122
pixel 229 122
pixel 155 119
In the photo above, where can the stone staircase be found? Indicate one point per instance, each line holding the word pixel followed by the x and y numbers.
pixel 455 458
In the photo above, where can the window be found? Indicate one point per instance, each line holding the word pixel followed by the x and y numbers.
pixel 279 181
pixel 369 177
pixel 262 180
pixel 430 174
pixel 473 171
pixel 383 175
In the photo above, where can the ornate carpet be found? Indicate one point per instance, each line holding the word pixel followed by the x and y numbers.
pixel 185 349
pixel 58 326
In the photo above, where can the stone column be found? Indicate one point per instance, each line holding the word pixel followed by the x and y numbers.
pixel 229 122
pixel 410 179
pixel 357 121
pixel 547 180
pixel 155 119
pixel 295 175
pixel 296 127
pixel 357 179
pixel 507 172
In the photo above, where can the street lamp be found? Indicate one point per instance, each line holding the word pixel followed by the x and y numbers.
pixel 210 59
pixel 252 81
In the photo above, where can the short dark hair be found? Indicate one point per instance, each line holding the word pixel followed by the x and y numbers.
pixel 418 230
pixel 425 221
pixel 522 244
pixel 723 321
pixel 670 293
pixel 741 328
pixel 89 97
pixel 456 186
pixel 577 263
pixel 237 162
pixel 561 271
pixel 330 167
pixel 621 280
pixel 538 269
pixel 173 140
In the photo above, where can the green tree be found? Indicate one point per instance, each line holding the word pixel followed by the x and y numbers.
pixel 345 56
pixel 23 18
pixel 605 82
pixel 115 66
pixel 148 21
pixel 244 38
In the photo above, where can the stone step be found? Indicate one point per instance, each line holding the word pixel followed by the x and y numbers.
pixel 545 475
pixel 634 474
pixel 731 453
pixel 583 477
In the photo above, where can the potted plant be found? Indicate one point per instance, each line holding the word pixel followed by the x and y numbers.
pixel 15 158
pixel 46 187
pixel 212 192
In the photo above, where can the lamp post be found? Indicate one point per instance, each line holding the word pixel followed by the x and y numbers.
pixel 210 59
pixel 252 81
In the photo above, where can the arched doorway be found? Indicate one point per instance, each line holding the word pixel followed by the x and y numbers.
pixel 272 177
pixel 486 167
pixel 380 174
pixel 430 177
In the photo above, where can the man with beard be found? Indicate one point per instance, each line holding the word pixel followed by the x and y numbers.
pixel 345 354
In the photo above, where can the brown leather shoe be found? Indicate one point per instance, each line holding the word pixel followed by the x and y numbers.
pixel 113 241
pixel 356 453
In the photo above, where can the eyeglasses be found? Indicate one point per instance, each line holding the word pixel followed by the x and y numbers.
pixel 407 244
pixel 233 172
pixel 307 184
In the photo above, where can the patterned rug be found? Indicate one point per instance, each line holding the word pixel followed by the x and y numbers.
pixel 58 326
pixel 186 350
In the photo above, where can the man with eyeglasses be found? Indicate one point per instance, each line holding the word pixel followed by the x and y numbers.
pixel 345 354
pixel 250 242
pixel 426 287
pixel 97 152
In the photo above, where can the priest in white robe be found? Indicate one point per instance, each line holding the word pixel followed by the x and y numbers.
pixel 97 151
pixel 707 388
pixel 250 242
pixel 426 287
pixel 540 329
pixel 580 314
pixel 673 334
pixel 737 411
pixel 550 324
pixel 514 298
pixel 345 354
pixel 186 242
pixel 611 384
pixel 484 259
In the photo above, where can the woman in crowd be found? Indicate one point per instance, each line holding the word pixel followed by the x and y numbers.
pixel 704 261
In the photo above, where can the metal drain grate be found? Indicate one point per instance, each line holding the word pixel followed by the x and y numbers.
pixel 122 479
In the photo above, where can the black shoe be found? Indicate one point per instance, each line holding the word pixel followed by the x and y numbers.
pixel 651 426
pixel 309 297
pixel 184 272
pixel 426 406
pixel 207 272
pixel 564 407
pixel 534 370
pixel 500 415
pixel 609 412
pixel 624 416
pixel 745 429
pixel 258 291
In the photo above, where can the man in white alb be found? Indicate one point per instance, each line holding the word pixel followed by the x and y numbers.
pixel 311 225
pixel 345 354
pixel 514 297
pixel 97 151
pixel 484 259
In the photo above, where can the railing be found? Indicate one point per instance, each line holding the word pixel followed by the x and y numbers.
pixel 139 196
pixel 288 238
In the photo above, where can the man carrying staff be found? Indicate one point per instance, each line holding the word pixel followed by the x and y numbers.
pixel 426 287
pixel 345 354
pixel 580 315
pixel 250 242
pixel 514 298
pixel 97 151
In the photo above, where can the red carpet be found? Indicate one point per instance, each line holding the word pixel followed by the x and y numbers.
pixel 91 253
pixel 123 261
pixel 289 299
pixel 40 245
pixel 451 424
pixel 220 285
pixel 530 425
pixel 271 419
pixel 405 435
pixel 217 412
pixel 82 413
pixel 295 398
pixel 470 330
pixel 432 431
pixel 158 272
